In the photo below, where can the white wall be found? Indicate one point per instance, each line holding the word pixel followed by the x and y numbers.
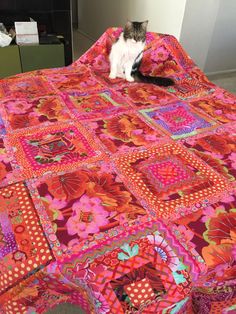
pixel 206 28
pixel 222 50
pixel 197 29
pixel 209 34
pixel 165 16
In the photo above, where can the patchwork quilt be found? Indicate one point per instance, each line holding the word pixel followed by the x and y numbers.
pixel 118 197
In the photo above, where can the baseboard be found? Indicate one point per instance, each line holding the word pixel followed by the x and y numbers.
pixel 221 72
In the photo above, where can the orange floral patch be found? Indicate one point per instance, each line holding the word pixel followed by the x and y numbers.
pixel 125 131
pixel 145 94
pixel 22 113
pixel 221 107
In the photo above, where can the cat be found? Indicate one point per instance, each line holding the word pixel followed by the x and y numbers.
pixel 126 56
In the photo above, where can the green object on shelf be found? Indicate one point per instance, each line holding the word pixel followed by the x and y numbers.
pixel 34 57
pixel 16 59
pixel 10 63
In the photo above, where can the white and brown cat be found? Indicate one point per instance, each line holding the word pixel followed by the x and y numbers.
pixel 126 56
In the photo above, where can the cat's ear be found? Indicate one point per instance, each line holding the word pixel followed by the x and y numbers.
pixel 144 24
pixel 128 24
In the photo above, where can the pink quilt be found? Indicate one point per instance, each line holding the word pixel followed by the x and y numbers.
pixel 118 197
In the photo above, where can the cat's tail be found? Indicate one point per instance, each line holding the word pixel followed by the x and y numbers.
pixel 157 80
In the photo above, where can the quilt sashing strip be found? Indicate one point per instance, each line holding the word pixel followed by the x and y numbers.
pixel 44 219
pixel 10 171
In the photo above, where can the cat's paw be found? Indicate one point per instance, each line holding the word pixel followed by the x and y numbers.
pixel 112 76
pixel 121 75
pixel 130 79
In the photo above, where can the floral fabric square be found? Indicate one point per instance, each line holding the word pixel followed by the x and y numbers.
pixel 26 86
pixel 143 95
pixel 87 202
pixel 22 249
pixel 211 233
pixel 178 119
pixel 125 131
pixel 168 176
pixel 24 113
pixel 97 105
pixel 221 106
pixel 79 81
pixel 217 149
pixel 53 148
pixel 160 61
pixel 178 53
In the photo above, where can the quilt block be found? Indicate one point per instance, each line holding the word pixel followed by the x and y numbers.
pixel 118 197
pixel 161 178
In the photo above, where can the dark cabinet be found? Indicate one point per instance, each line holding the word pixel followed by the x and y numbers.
pixel 55 15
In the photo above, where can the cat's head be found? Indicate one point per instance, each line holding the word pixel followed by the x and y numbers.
pixel 135 31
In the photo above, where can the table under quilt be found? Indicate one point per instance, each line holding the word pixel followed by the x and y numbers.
pixel 118 197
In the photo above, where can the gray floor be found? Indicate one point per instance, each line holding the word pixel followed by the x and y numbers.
pixel 225 80
pixel 81 44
